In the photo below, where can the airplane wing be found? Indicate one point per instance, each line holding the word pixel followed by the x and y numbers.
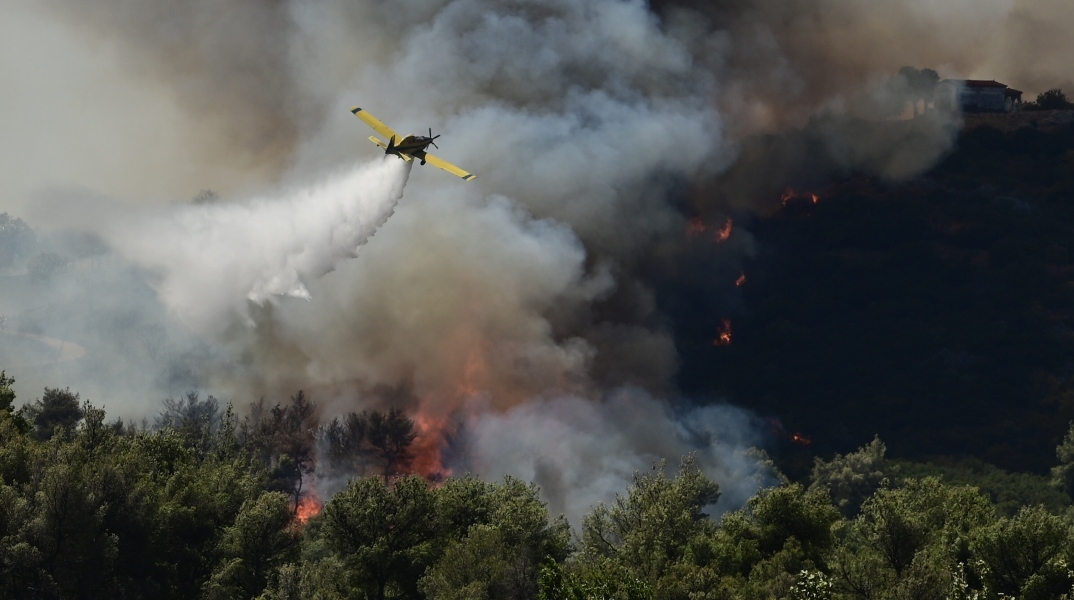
pixel 440 163
pixel 375 123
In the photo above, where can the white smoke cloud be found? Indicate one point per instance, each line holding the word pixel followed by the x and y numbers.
pixel 581 452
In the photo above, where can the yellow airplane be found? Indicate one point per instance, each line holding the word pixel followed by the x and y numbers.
pixel 410 147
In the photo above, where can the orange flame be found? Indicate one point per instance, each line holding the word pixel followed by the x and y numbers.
pixel 724 336
pixel 428 446
pixel 801 439
pixel 469 376
pixel 725 231
pixel 308 507
pixel 790 194
pixel 741 279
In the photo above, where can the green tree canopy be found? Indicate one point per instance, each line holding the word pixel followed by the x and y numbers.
pixel 476 567
pixel 385 534
pixel 195 419
pixel 648 530
pixel 851 479
pixel 908 541
pixel 1026 556
pixel 55 409
pixel 1053 99
pixel 253 547
pixel 7 403
pixel 7 395
pixel 1063 473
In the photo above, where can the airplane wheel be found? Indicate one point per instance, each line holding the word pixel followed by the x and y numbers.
pixel 423 162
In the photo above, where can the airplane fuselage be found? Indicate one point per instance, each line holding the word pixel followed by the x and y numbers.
pixel 411 145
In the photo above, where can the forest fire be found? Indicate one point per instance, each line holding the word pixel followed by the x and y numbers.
pixel 695 227
pixel 725 232
pixel 428 446
pixel 309 506
pixel 724 336
pixel 436 414
pixel 797 438
pixel 801 439
pixel 790 195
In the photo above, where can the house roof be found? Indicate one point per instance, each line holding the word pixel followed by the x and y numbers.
pixel 984 83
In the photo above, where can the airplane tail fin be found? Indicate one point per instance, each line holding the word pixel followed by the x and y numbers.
pixel 389 148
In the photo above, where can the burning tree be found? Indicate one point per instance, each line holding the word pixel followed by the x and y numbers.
pixel 791 195
pixel 390 438
pixel 282 439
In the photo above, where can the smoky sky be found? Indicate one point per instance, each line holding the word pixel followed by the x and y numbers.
pixel 597 129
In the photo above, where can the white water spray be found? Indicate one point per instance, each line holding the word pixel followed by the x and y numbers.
pixel 210 260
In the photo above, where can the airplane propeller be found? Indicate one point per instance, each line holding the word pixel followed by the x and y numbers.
pixel 431 138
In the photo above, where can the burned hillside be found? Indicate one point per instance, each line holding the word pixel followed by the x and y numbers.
pixel 938 312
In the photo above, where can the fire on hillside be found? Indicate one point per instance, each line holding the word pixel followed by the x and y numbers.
pixel 309 506
pixel 791 196
pixel 723 337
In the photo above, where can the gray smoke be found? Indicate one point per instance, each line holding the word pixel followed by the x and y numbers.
pixel 580 451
